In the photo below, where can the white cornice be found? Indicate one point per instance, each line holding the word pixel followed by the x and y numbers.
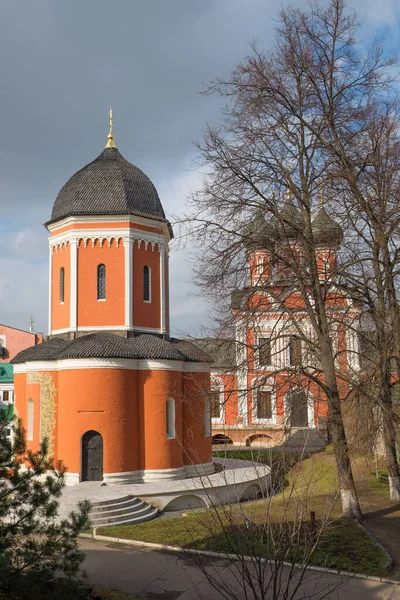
pixel 112 363
pixel 147 222
pixel 108 234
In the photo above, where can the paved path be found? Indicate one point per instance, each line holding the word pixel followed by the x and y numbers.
pixel 168 576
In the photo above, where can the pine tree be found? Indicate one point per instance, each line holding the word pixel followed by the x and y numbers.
pixel 39 554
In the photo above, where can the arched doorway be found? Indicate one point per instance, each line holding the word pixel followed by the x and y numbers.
pixel 298 408
pixel 92 456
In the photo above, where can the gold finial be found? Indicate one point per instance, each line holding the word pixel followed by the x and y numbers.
pixel 110 137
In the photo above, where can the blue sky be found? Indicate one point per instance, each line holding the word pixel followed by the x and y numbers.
pixel 62 65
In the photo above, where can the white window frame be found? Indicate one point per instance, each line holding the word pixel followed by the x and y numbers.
pixel 207 417
pixel 30 419
pixel 217 385
pixel 262 388
pixel 170 427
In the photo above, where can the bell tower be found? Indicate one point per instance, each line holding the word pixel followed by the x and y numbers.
pixel 108 251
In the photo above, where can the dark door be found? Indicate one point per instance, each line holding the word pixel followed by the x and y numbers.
pixel 298 415
pixel 92 456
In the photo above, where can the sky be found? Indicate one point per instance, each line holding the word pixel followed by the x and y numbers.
pixel 63 63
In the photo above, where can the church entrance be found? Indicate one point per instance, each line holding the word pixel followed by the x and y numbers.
pixel 92 456
pixel 298 409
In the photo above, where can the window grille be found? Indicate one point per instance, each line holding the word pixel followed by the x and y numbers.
pixel 146 284
pixel 264 404
pixel 295 351
pixel 62 284
pixel 215 404
pixel 101 282
pixel 264 352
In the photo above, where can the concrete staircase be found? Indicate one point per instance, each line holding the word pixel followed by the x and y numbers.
pixel 304 440
pixel 127 510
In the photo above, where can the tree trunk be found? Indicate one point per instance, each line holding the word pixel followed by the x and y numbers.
pixel 348 494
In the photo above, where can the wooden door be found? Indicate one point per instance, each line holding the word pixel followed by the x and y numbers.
pixel 92 456
pixel 298 407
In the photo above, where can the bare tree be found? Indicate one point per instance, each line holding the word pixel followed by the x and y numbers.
pixel 269 545
pixel 289 125
pixel 368 197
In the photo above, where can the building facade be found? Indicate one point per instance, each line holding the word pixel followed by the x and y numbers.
pixel 260 392
pixel 119 400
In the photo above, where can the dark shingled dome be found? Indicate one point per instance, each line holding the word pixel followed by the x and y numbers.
pixel 325 230
pixel 110 185
pixel 290 224
pixel 258 234
pixel 111 345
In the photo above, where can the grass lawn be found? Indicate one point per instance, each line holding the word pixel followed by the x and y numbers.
pixel 311 486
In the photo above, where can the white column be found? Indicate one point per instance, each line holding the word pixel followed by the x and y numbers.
pixel 50 284
pixel 73 244
pixel 162 287
pixel 128 244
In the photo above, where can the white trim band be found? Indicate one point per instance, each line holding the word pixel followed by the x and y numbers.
pixel 112 363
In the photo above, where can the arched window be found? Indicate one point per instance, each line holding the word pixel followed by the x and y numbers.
pixel 146 284
pixel 101 282
pixel 30 419
pixel 62 283
pixel 170 414
pixel 207 417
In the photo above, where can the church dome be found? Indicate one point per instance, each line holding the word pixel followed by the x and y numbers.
pixel 325 230
pixel 110 185
pixel 290 223
pixel 258 234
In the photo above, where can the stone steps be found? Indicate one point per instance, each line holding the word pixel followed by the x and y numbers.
pixel 304 440
pixel 127 510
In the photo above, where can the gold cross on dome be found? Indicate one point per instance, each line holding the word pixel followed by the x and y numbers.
pixel 110 137
pixel 111 119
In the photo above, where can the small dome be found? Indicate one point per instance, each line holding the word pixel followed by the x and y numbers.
pixel 110 185
pixel 290 223
pixel 258 234
pixel 325 230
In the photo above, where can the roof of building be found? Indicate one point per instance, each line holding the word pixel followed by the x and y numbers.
pixel 222 351
pixel 111 345
pixel 6 373
pixel 290 223
pixel 110 185
pixel 258 233
pixel 325 229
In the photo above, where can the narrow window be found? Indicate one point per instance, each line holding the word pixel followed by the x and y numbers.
pixel 295 351
pixel 30 419
pixel 101 282
pixel 170 415
pixel 146 284
pixel 215 404
pixel 6 396
pixel 62 284
pixel 264 352
pixel 207 417
pixel 264 404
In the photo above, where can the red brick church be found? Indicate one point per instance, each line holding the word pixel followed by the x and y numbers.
pixel 258 395
pixel 118 398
